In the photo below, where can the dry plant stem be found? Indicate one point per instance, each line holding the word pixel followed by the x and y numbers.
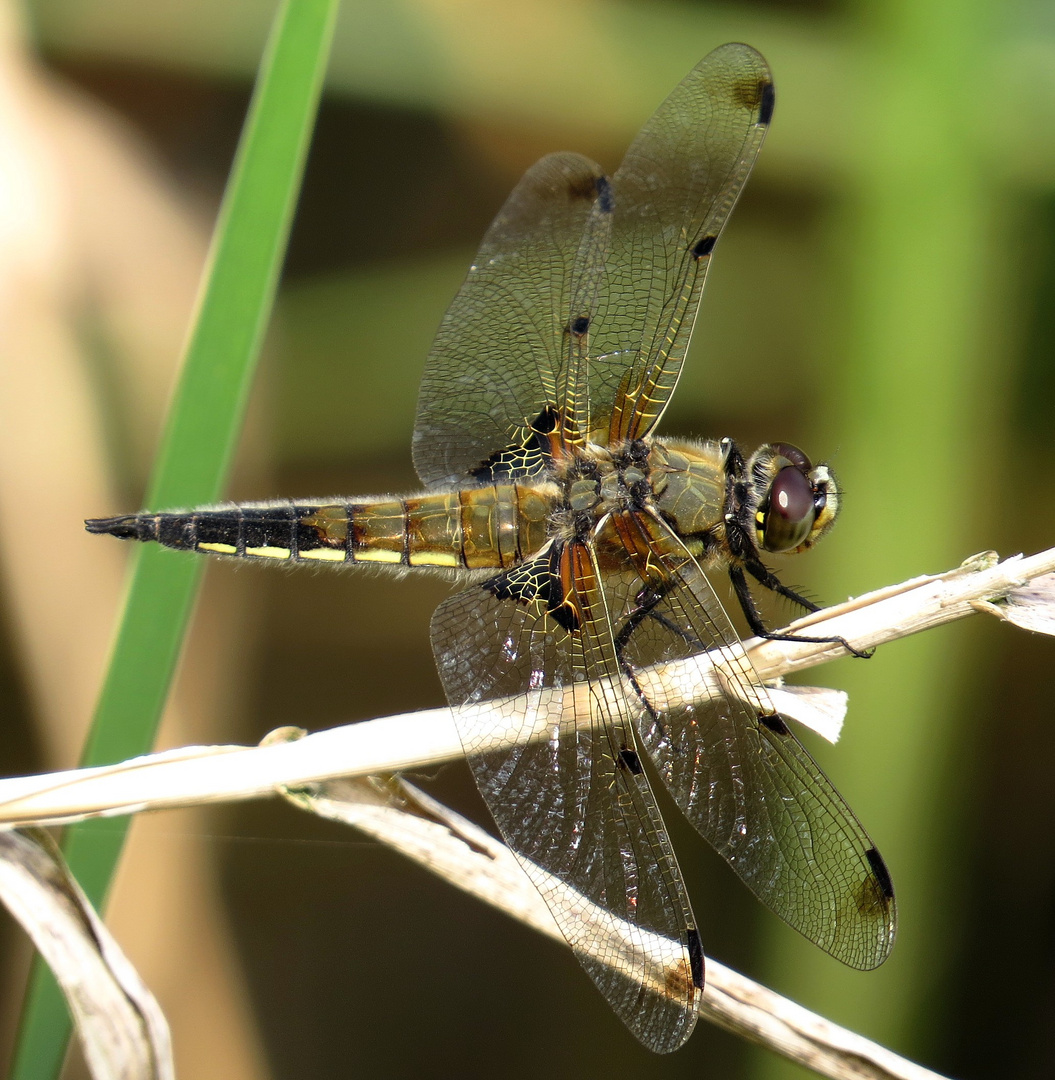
pixel 455 849
pixel 121 1027
pixel 900 610
pixel 746 1008
pixel 207 774
pixel 194 775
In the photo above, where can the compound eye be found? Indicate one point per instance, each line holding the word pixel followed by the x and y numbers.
pixel 790 512
pixel 792 454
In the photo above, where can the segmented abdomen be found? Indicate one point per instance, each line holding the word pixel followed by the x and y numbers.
pixel 482 527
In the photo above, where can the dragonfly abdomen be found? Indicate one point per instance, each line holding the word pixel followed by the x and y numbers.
pixel 481 527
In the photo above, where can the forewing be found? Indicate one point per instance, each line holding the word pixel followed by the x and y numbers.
pixel 736 769
pixel 673 193
pixel 497 378
pixel 575 316
pixel 568 795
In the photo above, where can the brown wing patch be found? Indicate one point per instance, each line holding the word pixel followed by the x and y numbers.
pixel 876 894
pixel 755 94
pixel 587 187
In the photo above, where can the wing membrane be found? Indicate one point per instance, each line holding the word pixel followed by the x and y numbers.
pixel 738 772
pixel 581 300
pixel 573 804
pixel 517 330
pixel 673 194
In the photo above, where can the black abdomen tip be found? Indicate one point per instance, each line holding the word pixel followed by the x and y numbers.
pixel 126 527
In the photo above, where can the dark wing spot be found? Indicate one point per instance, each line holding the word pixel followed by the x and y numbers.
pixel 605 200
pixel 875 861
pixel 578 326
pixel 767 104
pixel 704 246
pixel 874 896
pixel 629 760
pixel 696 957
pixel 774 722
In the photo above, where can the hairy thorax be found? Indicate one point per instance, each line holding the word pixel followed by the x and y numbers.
pixel 682 482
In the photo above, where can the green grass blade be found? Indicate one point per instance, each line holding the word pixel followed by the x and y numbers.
pixel 203 426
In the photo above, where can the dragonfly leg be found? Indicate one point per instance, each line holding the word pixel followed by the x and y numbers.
pixel 648 600
pixel 769 580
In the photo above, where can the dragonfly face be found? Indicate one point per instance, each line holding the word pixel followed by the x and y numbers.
pixel 587 544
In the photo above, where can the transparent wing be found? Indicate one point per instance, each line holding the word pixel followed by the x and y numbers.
pixel 673 194
pixel 498 373
pixel 576 313
pixel 733 765
pixel 570 797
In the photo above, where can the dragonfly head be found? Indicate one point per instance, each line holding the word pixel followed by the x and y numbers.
pixel 797 502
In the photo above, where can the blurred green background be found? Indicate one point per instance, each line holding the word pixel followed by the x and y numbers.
pixel 882 297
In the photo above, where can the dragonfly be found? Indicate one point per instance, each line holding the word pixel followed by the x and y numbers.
pixel 588 550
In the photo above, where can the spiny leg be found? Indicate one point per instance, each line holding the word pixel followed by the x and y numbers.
pixel 770 581
pixel 648 599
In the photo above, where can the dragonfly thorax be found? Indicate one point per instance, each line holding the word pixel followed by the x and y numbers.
pixel 597 481
pixel 775 501
pixel 688 482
